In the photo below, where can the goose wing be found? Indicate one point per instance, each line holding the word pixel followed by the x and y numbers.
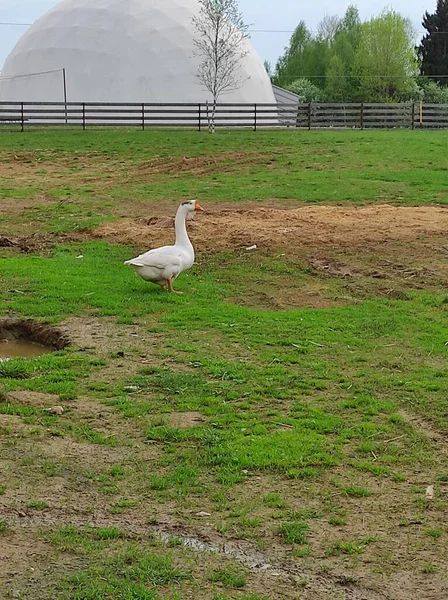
pixel 160 258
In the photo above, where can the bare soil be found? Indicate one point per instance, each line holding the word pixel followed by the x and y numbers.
pixel 290 229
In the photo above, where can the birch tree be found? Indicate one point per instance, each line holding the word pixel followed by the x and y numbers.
pixel 220 44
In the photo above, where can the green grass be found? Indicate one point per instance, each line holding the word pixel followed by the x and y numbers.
pixel 4 526
pixel 309 416
pixel 294 532
pixel 340 547
pixel 38 504
pixel 132 571
pixel 230 576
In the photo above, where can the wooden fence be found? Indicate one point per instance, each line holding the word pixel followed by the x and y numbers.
pixel 301 116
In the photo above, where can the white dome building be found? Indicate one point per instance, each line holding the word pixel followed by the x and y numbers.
pixel 118 51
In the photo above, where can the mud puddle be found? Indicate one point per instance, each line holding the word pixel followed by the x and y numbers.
pixel 21 349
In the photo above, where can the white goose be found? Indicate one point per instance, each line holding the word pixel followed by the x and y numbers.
pixel 163 265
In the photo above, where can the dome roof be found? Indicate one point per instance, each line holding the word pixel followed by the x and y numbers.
pixel 118 51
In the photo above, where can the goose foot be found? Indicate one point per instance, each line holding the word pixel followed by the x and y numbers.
pixel 171 289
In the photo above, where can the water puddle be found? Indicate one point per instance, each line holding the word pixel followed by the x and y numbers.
pixel 21 349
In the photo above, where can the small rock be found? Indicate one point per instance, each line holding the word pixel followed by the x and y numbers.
pixel 254 247
pixel 56 410
pixel 429 493
pixel 203 514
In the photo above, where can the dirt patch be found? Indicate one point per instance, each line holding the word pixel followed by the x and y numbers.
pixel 17 549
pixel 104 335
pixel 84 454
pixel 185 420
pixel 202 165
pixel 426 429
pixel 292 229
pixel 29 398
pixel 16 206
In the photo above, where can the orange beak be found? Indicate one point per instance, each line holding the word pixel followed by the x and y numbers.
pixel 197 206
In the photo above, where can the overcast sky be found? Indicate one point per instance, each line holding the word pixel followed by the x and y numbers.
pixel 267 15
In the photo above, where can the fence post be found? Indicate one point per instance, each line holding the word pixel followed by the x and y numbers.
pixel 362 115
pixel 143 116
pixel 413 116
pixel 309 115
pixel 199 117
pixel 421 115
pixel 255 117
pixel 84 116
pixel 22 116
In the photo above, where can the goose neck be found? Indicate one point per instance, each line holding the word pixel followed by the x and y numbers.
pixel 182 238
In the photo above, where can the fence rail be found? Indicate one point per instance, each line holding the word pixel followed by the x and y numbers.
pixel 302 116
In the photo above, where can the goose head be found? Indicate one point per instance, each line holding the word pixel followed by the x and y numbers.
pixel 191 207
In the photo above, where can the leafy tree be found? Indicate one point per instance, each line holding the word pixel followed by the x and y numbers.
pixel 292 57
pixel 340 83
pixel 350 25
pixel 305 57
pixel 433 50
pixel 337 88
pixel 385 61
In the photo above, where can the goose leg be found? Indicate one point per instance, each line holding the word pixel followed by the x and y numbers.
pixel 170 287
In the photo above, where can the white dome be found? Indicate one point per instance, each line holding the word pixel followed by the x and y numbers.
pixel 118 51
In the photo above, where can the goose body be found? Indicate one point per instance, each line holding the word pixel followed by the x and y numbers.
pixel 163 265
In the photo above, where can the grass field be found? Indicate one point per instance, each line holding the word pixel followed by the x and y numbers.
pixel 273 432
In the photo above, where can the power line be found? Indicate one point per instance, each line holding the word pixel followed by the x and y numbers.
pixel 301 76
pixel 312 31
pixel 13 24
pixel 17 24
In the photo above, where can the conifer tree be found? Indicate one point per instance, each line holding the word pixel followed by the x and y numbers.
pixel 433 49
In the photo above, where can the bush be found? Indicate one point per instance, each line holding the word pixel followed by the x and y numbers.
pixel 433 92
pixel 307 91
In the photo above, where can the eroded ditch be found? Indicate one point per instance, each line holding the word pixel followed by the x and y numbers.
pixel 29 339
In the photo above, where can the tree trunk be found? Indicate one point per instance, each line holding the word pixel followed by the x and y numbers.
pixel 212 120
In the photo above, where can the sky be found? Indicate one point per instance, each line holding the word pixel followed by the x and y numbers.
pixel 271 21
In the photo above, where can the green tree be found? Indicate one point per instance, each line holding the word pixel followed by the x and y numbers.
pixel 337 89
pixel 385 61
pixel 350 25
pixel 340 83
pixel 304 57
pixel 292 58
pixel 433 50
